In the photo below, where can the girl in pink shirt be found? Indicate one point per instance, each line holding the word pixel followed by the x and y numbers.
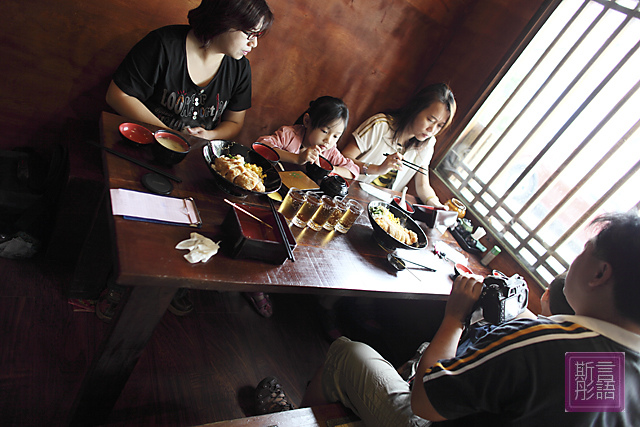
pixel 315 133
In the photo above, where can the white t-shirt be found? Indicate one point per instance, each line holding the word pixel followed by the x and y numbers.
pixel 375 139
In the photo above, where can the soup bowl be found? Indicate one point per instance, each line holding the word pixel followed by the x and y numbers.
pixel 317 173
pixel 169 148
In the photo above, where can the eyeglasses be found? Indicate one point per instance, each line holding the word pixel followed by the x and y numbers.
pixel 252 35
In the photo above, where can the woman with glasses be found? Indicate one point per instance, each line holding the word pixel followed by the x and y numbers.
pixel 191 78
pixel 194 78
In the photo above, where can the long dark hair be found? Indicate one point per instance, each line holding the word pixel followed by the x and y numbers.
pixel 214 17
pixel 324 111
pixel 403 117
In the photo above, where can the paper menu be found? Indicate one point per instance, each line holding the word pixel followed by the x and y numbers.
pixel 155 208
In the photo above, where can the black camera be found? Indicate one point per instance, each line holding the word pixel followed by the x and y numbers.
pixel 502 299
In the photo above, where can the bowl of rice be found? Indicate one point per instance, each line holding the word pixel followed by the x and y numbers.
pixel 393 228
pixel 239 170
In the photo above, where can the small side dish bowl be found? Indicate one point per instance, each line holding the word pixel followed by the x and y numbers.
pixel 426 214
pixel 317 173
pixel 169 148
pixel 265 151
pixel 384 239
pixel 137 134
pixel 461 268
pixel 408 208
pixel 217 148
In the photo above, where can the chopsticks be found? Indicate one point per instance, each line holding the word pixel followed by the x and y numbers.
pixel 419 265
pixel 285 240
pixel 136 161
pixel 246 212
pixel 413 166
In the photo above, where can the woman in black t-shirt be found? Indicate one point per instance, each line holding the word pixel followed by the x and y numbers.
pixel 194 78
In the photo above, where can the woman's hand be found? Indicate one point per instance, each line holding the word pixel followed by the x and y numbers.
pixel 393 161
pixel 199 131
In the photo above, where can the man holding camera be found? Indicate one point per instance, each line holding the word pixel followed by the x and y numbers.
pixel 517 374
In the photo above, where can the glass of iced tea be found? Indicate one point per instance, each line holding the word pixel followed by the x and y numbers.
pixel 292 202
pixel 327 204
pixel 336 214
pixel 346 221
pixel 307 210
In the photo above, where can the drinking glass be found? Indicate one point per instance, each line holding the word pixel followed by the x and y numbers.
pixel 307 210
pixel 456 205
pixel 292 202
pixel 336 214
pixel 327 204
pixel 346 221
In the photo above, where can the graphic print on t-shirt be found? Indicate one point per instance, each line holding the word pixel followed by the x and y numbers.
pixel 190 107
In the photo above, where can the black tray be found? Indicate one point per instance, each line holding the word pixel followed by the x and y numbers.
pixel 465 240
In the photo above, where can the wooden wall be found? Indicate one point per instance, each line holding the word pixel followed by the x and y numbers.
pixel 58 56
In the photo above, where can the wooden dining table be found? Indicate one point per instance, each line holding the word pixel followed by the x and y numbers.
pixel 148 264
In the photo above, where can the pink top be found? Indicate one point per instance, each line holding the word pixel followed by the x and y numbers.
pixel 289 138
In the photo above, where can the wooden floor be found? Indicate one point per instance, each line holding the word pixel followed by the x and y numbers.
pixel 196 369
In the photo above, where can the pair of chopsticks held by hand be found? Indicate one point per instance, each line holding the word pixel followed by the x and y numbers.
pixel 418 168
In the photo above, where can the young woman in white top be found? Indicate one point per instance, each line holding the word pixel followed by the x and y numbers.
pixel 381 143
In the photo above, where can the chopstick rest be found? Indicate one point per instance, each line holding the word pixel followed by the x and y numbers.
pixel 200 248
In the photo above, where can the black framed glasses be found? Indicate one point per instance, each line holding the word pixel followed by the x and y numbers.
pixel 252 35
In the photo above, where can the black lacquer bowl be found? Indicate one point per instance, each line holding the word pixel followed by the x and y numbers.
pixel 317 173
pixel 388 242
pixel 217 148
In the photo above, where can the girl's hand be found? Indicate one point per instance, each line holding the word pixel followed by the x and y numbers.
pixel 309 155
pixel 393 161
pixel 465 292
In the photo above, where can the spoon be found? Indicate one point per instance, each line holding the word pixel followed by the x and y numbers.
pixel 403 199
pixel 399 263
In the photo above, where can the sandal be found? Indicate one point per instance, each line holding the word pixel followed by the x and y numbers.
pixel 271 398
pixel 261 302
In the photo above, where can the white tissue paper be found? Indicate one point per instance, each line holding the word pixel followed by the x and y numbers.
pixel 200 248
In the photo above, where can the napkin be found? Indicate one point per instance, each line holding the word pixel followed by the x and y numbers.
pixel 200 248
pixel 376 192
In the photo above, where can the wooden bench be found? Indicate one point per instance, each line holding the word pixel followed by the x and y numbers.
pixel 331 415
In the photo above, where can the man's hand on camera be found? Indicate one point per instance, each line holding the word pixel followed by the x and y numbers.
pixel 465 292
